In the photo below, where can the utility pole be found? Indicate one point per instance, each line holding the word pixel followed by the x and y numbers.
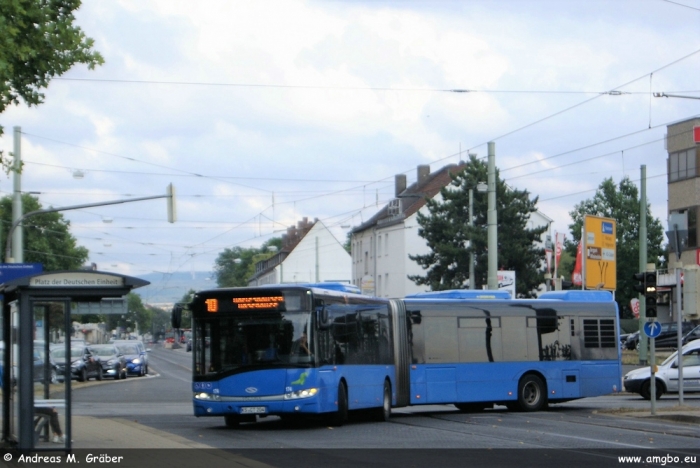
pixel 643 263
pixel 471 244
pixel 492 219
pixel 17 236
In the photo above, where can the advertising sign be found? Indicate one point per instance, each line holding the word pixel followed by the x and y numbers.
pixel 506 281
pixel 600 254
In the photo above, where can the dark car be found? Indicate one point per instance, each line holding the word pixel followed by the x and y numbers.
pixel 136 356
pixel 112 360
pixel 668 338
pixel 44 369
pixel 692 335
pixel 84 364
pixel 41 373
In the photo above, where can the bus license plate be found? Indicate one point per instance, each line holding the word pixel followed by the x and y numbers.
pixel 253 410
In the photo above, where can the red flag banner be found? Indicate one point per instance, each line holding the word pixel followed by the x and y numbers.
pixel 559 245
pixel 576 275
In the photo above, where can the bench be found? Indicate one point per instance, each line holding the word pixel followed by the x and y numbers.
pixel 41 420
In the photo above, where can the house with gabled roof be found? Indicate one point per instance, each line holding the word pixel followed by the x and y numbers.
pixel 381 246
pixel 309 253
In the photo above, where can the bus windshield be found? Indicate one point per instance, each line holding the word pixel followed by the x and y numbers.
pixel 235 343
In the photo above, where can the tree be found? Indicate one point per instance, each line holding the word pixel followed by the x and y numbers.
pixel 451 240
pixel 621 203
pixel 47 239
pixel 137 316
pixel 234 266
pixel 38 41
pixel 160 321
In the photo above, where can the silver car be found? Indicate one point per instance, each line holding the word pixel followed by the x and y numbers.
pixel 639 380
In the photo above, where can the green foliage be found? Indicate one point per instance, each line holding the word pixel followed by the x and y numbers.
pixel 38 41
pixel 160 321
pixel 448 234
pixel 137 315
pixel 47 239
pixel 233 267
pixel 186 312
pixel 621 203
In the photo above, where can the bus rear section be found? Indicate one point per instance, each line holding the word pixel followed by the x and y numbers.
pixel 475 351
pixel 290 351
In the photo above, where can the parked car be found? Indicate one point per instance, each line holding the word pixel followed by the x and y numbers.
pixel 632 341
pixel 112 360
pixel 639 380
pixel 84 364
pixel 692 335
pixel 136 356
pixel 623 339
pixel 668 338
pixel 41 363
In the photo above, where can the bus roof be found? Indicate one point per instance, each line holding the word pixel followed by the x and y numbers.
pixel 578 295
pixel 479 294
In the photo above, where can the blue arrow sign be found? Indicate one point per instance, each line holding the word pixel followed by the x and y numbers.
pixel 652 329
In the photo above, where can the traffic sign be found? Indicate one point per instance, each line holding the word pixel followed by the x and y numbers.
pixel 652 329
pixel 600 253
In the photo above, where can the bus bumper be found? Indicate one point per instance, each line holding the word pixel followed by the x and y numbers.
pixel 262 408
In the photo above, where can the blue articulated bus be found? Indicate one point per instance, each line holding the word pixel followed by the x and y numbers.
pixel 475 349
pixel 291 350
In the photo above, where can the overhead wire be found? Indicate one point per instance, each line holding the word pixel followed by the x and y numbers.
pixel 492 139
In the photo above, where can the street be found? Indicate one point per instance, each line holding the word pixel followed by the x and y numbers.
pixel 163 401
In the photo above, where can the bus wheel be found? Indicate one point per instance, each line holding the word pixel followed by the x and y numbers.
pixel 339 417
pixel 232 420
pixel 384 412
pixel 532 395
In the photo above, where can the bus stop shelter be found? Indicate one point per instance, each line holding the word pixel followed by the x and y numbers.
pixel 36 325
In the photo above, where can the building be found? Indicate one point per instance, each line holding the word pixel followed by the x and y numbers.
pixel 684 182
pixel 683 164
pixel 309 253
pixel 381 246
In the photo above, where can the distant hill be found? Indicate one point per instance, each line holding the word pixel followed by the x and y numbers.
pixel 168 288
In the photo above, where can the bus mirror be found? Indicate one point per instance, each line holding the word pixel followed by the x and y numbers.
pixel 176 316
pixel 322 318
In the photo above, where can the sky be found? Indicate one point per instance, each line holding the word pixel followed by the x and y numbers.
pixel 263 113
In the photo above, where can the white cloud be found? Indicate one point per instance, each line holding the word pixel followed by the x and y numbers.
pixel 343 91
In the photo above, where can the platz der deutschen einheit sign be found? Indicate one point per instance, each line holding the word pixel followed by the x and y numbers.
pixel 76 279
pixel 600 253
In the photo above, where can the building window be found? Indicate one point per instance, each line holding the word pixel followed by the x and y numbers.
pixel 379 245
pixel 386 243
pixel 379 285
pixel 386 285
pixel 682 165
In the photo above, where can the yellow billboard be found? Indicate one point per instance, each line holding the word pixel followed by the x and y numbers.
pixel 600 253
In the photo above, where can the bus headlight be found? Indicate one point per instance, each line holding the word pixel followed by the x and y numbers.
pixel 206 396
pixel 308 393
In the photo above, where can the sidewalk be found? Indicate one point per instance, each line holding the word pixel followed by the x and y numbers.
pixel 119 433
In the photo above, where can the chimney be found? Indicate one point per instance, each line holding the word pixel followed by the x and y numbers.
pixel 423 172
pixel 400 184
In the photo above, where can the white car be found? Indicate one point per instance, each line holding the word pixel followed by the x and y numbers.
pixel 639 380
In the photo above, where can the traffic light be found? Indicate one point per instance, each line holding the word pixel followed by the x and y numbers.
pixel 647 287
pixel 640 288
pixel 650 294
